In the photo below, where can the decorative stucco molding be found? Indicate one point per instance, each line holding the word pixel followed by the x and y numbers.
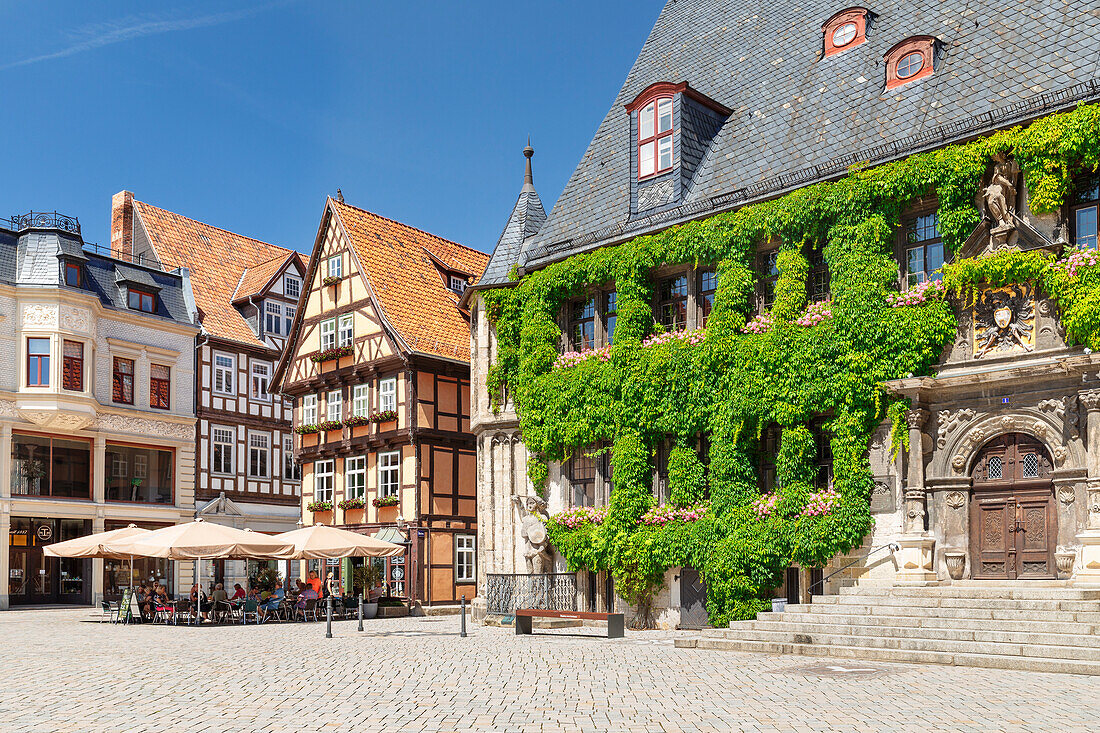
pixel 125 424
pixel 76 319
pixel 39 315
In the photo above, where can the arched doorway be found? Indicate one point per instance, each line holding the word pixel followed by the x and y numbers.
pixel 1012 520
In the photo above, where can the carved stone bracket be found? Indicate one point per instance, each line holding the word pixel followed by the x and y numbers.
pixel 1066 494
pixel 1091 400
pixel 949 422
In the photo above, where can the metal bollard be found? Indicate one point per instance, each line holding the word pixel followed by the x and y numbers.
pixel 360 611
pixel 463 632
pixel 328 619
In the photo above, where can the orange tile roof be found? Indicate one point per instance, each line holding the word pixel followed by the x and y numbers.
pixel 256 277
pixel 408 285
pixel 217 260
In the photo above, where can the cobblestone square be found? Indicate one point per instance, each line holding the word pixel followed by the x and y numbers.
pixel 66 673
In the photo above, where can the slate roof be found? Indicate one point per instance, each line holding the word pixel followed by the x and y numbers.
pixel 794 111
pixel 527 217
pixel 396 260
pixel 217 260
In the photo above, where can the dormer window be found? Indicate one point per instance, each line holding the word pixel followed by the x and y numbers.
pixel 912 59
pixel 457 284
pixel 655 137
pixel 141 300
pixel 73 274
pixel 847 29
pixel 292 287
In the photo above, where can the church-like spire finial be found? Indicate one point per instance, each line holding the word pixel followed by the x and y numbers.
pixel 339 195
pixel 528 177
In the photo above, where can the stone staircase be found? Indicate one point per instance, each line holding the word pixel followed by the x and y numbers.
pixel 1032 625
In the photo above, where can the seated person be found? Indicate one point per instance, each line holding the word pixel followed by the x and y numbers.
pixel 238 592
pixel 271 603
pixel 217 600
pixel 195 593
pixel 307 594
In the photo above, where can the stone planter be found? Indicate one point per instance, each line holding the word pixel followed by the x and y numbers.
pixel 1064 561
pixel 370 610
pixel 392 611
pixel 956 563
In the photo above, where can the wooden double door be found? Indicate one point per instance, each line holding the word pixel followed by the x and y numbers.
pixel 1013 526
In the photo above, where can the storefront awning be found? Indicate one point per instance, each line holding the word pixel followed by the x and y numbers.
pixel 391 534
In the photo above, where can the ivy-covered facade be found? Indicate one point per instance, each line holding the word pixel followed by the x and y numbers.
pixel 731 387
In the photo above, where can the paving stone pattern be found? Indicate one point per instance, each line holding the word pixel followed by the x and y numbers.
pixel 62 673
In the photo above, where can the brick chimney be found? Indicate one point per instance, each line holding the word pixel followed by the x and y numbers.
pixel 122 225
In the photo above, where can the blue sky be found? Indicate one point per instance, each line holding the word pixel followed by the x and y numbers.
pixel 247 114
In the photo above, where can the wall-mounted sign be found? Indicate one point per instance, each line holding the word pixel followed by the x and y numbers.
pixel 44 532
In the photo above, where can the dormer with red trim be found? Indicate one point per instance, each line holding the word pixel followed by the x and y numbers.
pixel 671 128
pixel 846 30
pixel 912 59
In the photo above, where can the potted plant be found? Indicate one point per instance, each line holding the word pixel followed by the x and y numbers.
pixel 356 421
pixel 330 354
pixel 319 506
pixel 366 578
pixel 331 280
pixel 353 510
pixel 328 425
pixel 387 508
pixel 384 416
pixel 307 429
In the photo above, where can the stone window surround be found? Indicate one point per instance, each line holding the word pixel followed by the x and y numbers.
pixel 144 357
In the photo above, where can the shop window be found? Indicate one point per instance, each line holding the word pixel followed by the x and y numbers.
pixel 1086 202
pixel 117 574
pixel 72 366
pixel 122 381
pixel 465 554
pixel 355 477
pixel 261 376
pixel 707 285
pixel 141 475
pixel 73 275
pixel 225 367
pixel 767 273
pixel 292 470
pixel 160 386
pixel 38 362
pixel 141 300
pixel 582 324
pixel 817 281
pixel 387 394
pixel 672 302
pixel 389 473
pixel 222 441
pixel 610 313
pixel 923 250
pixel 582 477
pixel 322 480
pixel 259 455
pixel 46 466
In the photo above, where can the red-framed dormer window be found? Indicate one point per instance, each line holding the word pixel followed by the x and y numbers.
pixel 912 59
pixel 141 300
pixel 847 29
pixel 655 137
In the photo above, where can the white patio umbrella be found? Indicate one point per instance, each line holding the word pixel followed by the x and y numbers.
pixel 199 540
pixel 94 546
pixel 323 542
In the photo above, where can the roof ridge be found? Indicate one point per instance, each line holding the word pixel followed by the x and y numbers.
pixel 409 226
pixel 211 226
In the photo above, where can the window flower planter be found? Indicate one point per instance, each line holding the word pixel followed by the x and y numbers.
pixel 330 354
pixel 319 506
pixel 383 501
pixel 307 429
pixel 384 416
pixel 331 280
pixel 347 504
pixel 356 421
pixel 330 425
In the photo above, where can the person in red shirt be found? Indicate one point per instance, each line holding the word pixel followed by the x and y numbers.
pixel 315 583
pixel 238 592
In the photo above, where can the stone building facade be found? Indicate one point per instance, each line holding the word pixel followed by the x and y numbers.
pixel 1001 477
pixel 97 420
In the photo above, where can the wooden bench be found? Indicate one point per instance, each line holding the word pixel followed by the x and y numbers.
pixel 524 616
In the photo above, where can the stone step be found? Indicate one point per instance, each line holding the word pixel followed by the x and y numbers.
pixel 1008 584
pixel 988 661
pixel 1017 649
pixel 971 612
pixel 1002 592
pixel 1041 623
pixel 933 601
pixel 1014 636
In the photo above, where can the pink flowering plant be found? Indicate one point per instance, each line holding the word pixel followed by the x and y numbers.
pixel 815 314
pixel 765 505
pixel 662 514
pixel 918 294
pixel 573 358
pixel 759 324
pixel 691 338
pixel 821 503
pixel 581 515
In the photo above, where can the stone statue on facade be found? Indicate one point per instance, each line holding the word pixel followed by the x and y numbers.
pixel 533 520
pixel 999 198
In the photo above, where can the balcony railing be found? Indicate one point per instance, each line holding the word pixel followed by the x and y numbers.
pixel 45 220
pixel 550 591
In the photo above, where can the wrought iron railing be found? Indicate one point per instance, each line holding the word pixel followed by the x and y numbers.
pixel 549 591
pixel 138 259
pixel 45 220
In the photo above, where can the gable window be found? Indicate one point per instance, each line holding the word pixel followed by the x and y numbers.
pixel 259 455
pixel 322 480
pixel 72 367
pixel 335 406
pixel 38 362
pixel 122 381
pixel 672 304
pixel 767 270
pixel 1084 217
pixel 389 473
pixel 292 470
pixel 328 334
pixel 309 410
pixel 458 284
pixel 141 300
pixel 288 317
pixel 360 400
pixel 464 558
pixel 707 285
pixel 387 394
pixel 292 287
pixel 610 313
pixel 72 274
pixel 274 320
pixel 655 137
pixel 347 330
pixel 910 60
pixel 221 457
pixel 817 281
pixel 582 324
pixel 335 266
pixel 160 380
pixel 355 477
pixel 261 374
pixel 225 366
pixel 923 250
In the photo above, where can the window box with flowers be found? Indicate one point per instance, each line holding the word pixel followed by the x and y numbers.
pixel 354 503
pixel 384 416
pixel 319 506
pixel 356 421
pixel 307 429
pixel 330 354
pixel 331 280
pixel 329 425
pixel 385 501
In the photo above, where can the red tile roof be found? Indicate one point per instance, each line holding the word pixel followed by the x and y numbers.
pixel 397 262
pixel 222 265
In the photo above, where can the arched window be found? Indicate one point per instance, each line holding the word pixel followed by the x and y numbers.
pixel 912 59
pixel 847 29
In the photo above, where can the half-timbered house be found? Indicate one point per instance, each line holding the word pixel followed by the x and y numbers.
pixel 244 294
pixel 378 367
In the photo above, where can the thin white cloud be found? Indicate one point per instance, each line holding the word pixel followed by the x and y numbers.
pixel 127 29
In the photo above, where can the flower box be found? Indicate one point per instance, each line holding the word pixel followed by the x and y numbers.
pixel 319 506
pixel 384 416
pixel 331 280
pixel 330 354
pixel 356 421
pixel 355 503
pixel 307 429
pixel 330 425
pixel 386 501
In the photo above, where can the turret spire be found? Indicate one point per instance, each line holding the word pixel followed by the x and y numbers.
pixel 528 177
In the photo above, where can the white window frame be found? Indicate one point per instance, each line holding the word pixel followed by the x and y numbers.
pixel 287 280
pixel 323 472
pixel 334 265
pixel 328 334
pixel 292 470
pixel 273 316
pixel 334 405
pixel 345 333
pixel 387 394
pixel 360 400
pixel 465 558
pixel 227 440
pixel 355 477
pixel 289 311
pixel 120 467
pixel 308 414
pixel 228 374
pixel 265 366
pixel 458 285
pixel 389 473
pixel 259 444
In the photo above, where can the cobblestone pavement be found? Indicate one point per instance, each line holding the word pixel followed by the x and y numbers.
pixel 62 673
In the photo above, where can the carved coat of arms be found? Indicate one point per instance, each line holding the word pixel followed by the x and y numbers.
pixel 1004 320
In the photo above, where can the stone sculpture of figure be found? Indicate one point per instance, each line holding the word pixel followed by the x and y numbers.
pixel 533 530
pixel 1000 195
